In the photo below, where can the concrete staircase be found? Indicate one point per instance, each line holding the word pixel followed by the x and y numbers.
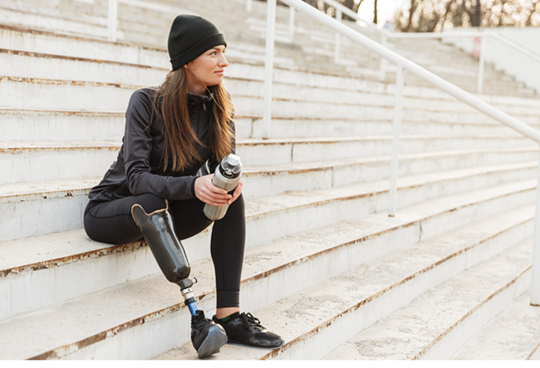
pixel 325 267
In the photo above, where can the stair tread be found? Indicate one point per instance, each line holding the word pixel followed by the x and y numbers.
pixel 264 142
pixel 305 313
pixel 66 187
pixel 404 333
pixel 11 192
pixel 80 85
pixel 121 113
pixel 511 335
pixel 153 295
pixel 52 246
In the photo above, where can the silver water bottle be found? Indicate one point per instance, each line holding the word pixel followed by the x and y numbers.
pixel 226 177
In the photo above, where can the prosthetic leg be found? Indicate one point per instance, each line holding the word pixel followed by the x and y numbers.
pixel 158 231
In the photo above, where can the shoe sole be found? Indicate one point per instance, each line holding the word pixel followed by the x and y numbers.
pixel 215 339
pixel 236 342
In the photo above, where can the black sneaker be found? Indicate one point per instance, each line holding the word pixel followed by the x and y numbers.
pixel 246 329
pixel 206 336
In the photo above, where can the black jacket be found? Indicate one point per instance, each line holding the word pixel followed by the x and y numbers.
pixel 138 168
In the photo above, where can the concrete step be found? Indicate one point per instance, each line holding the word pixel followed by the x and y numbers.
pixel 26 64
pixel 436 323
pixel 138 25
pixel 65 126
pixel 155 300
pixel 28 93
pixel 54 9
pixel 292 127
pixel 47 43
pixel 268 179
pixel 488 79
pixel 58 257
pixel 24 203
pixel 317 319
pixel 60 126
pixel 42 161
pixel 510 335
pixel 53 23
pixel 45 66
pixel 279 151
pixel 93 96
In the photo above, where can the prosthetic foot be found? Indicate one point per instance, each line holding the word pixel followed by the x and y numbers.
pixel 158 231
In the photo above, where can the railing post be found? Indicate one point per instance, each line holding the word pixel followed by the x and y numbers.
pixel 383 60
pixel 338 37
pixel 535 282
pixel 113 19
pixel 269 66
pixel 291 20
pixel 395 142
pixel 481 63
pixel 249 5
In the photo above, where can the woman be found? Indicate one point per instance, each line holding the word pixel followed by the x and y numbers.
pixel 171 132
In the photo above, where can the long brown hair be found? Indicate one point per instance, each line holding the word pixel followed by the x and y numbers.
pixel 180 139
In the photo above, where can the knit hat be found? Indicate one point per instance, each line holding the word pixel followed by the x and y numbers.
pixel 191 36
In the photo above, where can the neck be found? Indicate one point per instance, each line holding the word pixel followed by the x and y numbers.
pixel 197 90
pixel 195 87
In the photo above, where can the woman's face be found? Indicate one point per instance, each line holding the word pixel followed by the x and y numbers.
pixel 206 70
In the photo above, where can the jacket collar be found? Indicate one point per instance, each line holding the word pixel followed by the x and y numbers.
pixel 199 100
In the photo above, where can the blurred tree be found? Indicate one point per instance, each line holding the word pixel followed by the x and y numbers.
pixel 354 5
pixel 436 15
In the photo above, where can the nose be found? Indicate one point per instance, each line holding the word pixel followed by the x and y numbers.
pixel 223 61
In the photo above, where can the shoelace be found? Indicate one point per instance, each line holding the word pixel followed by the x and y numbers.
pixel 249 320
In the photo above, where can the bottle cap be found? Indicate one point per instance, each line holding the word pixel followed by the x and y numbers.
pixel 231 166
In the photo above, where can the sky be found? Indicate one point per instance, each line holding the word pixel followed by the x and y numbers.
pixel 385 10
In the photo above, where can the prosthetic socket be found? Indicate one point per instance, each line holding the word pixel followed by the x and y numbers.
pixel 158 230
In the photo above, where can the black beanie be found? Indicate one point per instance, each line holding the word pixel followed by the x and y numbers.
pixel 190 37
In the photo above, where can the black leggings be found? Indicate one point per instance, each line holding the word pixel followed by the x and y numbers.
pixel 111 222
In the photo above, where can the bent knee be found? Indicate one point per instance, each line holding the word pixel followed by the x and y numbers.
pixel 151 202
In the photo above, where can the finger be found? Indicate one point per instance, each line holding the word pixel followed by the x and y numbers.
pixel 239 188
pixel 212 201
pixel 216 200
pixel 216 190
pixel 236 193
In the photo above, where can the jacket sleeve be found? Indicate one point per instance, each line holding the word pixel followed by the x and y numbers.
pixel 138 143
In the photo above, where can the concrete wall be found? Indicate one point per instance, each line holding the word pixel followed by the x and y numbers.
pixel 523 68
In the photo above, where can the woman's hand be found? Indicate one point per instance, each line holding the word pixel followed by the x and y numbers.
pixel 236 192
pixel 207 192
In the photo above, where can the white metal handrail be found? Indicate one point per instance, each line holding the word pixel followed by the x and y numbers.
pixel 385 34
pixel 420 72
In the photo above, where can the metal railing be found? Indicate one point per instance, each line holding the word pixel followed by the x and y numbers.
pixel 480 34
pixel 385 35
pixel 403 64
